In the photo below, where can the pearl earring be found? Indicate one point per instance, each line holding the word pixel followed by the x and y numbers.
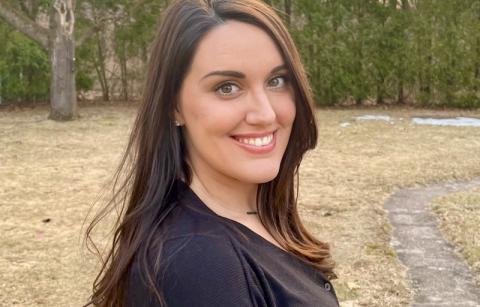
pixel 177 123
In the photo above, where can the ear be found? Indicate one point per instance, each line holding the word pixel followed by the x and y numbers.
pixel 179 116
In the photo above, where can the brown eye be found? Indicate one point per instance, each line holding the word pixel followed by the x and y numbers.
pixel 278 81
pixel 227 89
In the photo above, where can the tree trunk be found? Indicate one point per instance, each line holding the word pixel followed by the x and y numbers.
pixel 125 92
pixel 477 62
pixel 23 24
pixel 62 56
pixel 401 93
pixel 381 91
pixel 288 11
pixel 123 73
pixel 58 41
pixel 100 67
pixel 405 5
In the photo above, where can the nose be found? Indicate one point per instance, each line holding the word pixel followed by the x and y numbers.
pixel 261 111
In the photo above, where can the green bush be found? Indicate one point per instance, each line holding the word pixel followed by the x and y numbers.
pixel 24 68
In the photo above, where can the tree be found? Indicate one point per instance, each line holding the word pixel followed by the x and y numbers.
pixel 118 52
pixel 24 68
pixel 355 51
pixel 58 41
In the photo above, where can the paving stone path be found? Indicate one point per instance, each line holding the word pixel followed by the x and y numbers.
pixel 439 275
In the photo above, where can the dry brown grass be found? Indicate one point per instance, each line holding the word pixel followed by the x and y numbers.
pixel 459 218
pixel 56 170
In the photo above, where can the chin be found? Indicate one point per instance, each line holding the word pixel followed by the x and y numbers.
pixel 260 176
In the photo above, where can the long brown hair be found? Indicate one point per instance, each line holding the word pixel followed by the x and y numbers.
pixel 156 154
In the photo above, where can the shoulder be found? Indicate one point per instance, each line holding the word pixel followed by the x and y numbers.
pixel 202 270
pixel 192 260
pixel 189 233
pixel 205 255
pixel 192 270
pixel 185 223
pixel 195 263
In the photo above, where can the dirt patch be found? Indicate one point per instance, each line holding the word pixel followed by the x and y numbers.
pixel 56 170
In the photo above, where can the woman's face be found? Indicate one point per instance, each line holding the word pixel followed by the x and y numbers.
pixel 237 105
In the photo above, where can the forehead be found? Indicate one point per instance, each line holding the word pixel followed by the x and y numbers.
pixel 238 46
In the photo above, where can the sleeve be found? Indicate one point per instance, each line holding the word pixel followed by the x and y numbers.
pixel 202 270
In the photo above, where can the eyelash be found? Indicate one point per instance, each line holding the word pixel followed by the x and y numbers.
pixel 285 79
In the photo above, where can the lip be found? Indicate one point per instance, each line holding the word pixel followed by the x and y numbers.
pixel 256 149
pixel 254 134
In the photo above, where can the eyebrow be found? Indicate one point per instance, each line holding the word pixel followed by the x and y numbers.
pixel 237 74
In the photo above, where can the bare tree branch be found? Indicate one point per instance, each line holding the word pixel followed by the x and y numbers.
pixel 101 21
pixel 24 24
pixel 82 39
pixel 26 9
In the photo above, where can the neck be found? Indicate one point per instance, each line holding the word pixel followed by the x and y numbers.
pixel 226 197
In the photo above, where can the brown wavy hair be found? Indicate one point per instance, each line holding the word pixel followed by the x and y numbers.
pixel 156 155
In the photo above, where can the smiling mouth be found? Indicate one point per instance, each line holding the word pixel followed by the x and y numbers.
pixel 257 141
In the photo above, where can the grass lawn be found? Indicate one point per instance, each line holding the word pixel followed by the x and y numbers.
pixel 459 218
pixel 51 173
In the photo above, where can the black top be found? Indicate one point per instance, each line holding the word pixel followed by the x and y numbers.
pixel 210 260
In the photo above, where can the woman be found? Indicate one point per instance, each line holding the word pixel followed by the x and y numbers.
pixel 209 215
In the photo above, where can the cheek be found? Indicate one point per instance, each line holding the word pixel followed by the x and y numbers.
pixel 286 111
pixel 213 118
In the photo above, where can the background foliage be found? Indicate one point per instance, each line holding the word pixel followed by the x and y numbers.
pixel 422 52
pixel 24 68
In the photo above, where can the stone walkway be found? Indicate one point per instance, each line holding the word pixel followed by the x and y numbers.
pixel 440 276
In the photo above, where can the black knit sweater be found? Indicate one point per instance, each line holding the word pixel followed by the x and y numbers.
pixel 209 260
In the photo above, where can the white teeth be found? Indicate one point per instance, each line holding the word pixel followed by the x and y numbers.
pixel 263 141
